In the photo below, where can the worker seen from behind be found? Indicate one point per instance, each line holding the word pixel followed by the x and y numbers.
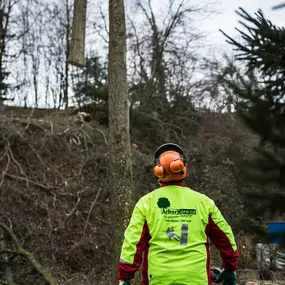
pixel 170 229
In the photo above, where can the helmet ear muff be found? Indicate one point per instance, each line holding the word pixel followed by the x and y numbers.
pixel 177 165
pixel 172 165
pixel 159 171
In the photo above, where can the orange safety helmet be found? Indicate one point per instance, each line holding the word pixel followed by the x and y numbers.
pixel 170 163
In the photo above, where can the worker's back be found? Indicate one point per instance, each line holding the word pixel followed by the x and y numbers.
pixel 169 231
pixel 177 218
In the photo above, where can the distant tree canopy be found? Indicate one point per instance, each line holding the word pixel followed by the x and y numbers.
pixel 91 83
pixel 259 95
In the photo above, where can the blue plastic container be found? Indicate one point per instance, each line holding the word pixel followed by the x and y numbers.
pixel 276 228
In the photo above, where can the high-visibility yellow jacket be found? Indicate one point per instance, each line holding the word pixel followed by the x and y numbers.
pixel 169 232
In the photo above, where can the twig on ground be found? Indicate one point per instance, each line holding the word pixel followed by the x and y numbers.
pixel 29 180
pixel 16 162
pixel 5 170
pixel 74 208
pixel 97 130
pixel 90 210
pixel 49 217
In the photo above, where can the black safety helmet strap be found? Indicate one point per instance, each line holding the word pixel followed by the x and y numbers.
pixel 169 146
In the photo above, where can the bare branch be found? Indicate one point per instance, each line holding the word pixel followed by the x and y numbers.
pixel 104 21
pixel 145 12
pixel 90 210
pixel 29 256
pixel 28 181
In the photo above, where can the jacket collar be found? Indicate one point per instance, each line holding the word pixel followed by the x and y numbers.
pixel 177 183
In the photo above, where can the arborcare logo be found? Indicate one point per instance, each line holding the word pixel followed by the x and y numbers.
pixel 164 204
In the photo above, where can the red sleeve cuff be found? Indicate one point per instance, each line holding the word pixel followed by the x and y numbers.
pixel 126 271
pixel 231 263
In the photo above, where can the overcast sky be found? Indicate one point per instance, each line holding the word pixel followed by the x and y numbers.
pixel 227 20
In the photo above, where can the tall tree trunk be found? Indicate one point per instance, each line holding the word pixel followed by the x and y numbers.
pixel 120 170
pixel 67 31
pixel 2 36
pixel 35 73
pixel 4 20
pixel 77 44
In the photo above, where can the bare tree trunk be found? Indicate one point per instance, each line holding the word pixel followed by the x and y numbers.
pixel 77 45
pixel 35 74
pixel 2 49
pixel 5 13
pixel 67 31
pixel 120 170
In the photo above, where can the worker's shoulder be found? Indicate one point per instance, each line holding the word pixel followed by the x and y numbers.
pixel 149 195
pixel 145 198
pixel 199 195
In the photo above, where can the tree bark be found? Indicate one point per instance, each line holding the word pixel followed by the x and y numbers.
pixel 67 34
pixel 120 170
pixel 77 45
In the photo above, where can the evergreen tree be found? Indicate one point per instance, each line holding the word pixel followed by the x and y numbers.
pixel 259 100
pixel 91 86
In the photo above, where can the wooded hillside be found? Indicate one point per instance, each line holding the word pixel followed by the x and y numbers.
pixel 55 193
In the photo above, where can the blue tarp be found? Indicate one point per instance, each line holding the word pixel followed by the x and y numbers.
pixel 276 231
